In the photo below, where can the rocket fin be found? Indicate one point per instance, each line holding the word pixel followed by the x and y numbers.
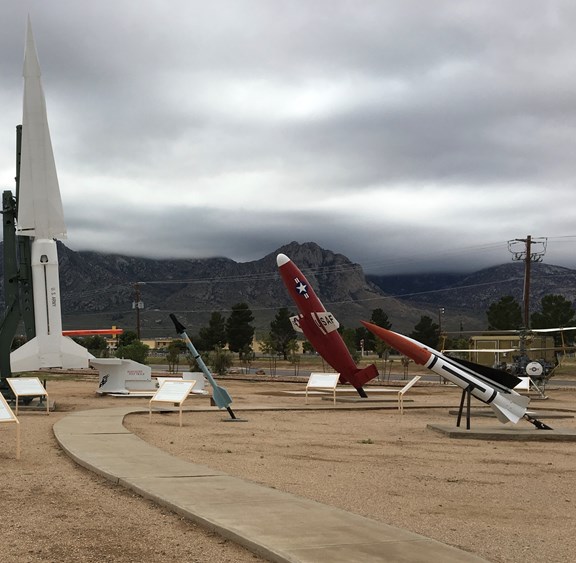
pixel 73 354
pixel 30 357
pixel 509 407
pixel 26 358
pixel 363 375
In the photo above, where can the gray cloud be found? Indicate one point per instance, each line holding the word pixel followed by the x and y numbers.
pixel 404 135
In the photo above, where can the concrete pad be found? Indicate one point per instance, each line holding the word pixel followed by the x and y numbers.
pixel 360 400
pixel 99 421
pixel 277 525
pixel 489 413
pixel 125 455
pixel 425 550
pixel 505 433
pixel 283 524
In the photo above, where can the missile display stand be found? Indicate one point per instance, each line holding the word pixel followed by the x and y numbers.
pixel 19 303
pixel 466 394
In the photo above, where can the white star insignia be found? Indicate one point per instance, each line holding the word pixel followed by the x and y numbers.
pixel 301 288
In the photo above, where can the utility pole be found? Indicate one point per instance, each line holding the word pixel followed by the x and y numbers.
pixel 137 304
pixel 441 311
pixel 528 255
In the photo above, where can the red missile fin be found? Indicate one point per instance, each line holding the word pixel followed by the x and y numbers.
pixel 363 376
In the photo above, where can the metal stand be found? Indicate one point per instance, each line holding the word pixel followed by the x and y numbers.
pixel 538 423
pixel 465 393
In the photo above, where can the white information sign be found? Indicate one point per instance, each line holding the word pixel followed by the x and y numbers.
pixel 323 382
pixel 173 392
pixel 6 415
pixel 28 387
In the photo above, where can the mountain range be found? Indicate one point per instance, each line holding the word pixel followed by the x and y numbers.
pixel 100 290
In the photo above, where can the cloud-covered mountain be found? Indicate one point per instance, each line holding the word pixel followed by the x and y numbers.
pixel 98 290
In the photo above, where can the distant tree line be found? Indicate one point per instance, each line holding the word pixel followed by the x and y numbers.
pixel 223 337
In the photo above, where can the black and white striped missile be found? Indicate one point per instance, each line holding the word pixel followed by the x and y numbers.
pixel 491 386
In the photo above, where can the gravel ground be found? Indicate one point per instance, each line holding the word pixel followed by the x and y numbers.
pixel 52 510
pixel 505 501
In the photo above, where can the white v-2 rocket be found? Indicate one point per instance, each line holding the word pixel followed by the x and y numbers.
pixel 40 217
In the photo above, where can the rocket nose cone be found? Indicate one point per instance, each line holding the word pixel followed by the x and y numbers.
pixel 282 259
pixel 378 331
pixel 414 350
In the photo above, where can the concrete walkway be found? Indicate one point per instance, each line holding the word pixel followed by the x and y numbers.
pixel 278 526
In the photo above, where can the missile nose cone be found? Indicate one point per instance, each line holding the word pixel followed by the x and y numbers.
pixel 282 259
pixel 404 345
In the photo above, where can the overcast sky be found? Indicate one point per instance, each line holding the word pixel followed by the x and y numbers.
pixel 407 135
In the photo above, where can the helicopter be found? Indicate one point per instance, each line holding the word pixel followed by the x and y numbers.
pixel 536 363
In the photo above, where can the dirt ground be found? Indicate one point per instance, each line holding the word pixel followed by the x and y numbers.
pixel 505 501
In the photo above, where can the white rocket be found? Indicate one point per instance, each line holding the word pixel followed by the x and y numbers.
pixel 491 386
pixel 40 217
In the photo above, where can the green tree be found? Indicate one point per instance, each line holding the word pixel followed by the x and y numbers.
pixel 246 356
pixel 426 331
pixel 97 345
pixel 293 356
pixel 175 348
pixel 555 311
pixel 267 347
pixel 239 331
pixel 136 350
pixel 282 332
pixel 127 337
pixel 505 314
pixel 379 318
pixel 307 348
pixel 199 343
pixel 370 342
pixel 349 337
pixel 215 333
pixel 220 360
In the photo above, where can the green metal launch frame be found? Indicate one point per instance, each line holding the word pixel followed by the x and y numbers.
pixel 18 297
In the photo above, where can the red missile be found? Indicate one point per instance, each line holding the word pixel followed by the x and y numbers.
pixel 320 327
pixel 92 331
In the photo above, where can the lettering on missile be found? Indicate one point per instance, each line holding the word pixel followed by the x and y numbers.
pixel 296 323
pixel 325 321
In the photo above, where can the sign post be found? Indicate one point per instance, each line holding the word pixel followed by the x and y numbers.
pixel 27 387
pixel 323 382
pixel 6 415
pixel 172 393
